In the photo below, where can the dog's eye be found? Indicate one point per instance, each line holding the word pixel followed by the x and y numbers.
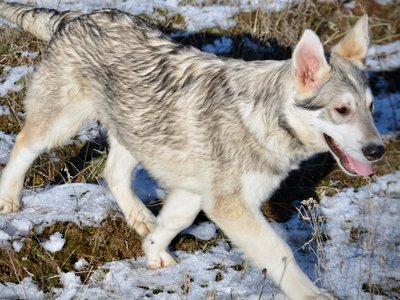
pixel 371 107
pixel 343 110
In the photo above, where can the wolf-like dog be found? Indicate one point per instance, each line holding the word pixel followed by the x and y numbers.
pixel 220 134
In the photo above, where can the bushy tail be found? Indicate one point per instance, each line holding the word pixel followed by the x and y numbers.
pixel 41 22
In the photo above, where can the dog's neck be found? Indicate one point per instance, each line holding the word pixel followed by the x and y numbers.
pixel 268 93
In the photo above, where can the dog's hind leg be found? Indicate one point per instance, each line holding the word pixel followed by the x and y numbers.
pixel 118 174
pixel 178 212
pixel 46 127
pixel 25 151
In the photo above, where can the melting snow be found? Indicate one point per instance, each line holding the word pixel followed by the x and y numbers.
pixel 80 264
pixel 8 82
pixel 364 240
pixel 55 243
pixel 6 144
pixel 383 57
pixel 4 110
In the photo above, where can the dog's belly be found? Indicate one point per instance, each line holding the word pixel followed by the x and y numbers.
pixel 178 173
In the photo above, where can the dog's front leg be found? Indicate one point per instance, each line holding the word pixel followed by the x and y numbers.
pixel 248 229
pixel 179 211
pixel 118 173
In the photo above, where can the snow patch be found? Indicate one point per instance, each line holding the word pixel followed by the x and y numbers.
pixel 83 204
pixel 6 144
pixel 80 264
pixel 221 45
pixel 8 82
pixel 4 239
pixel 384 2
pixel 198 18
pixel 71 284
pixel 193 278
pixel 383 57
pixel 29 55
pixel 203 231
pixel 363 246
pixel 55 243
pixel 89 132
pixel 4 110
pixel 17 245
pixel 27 289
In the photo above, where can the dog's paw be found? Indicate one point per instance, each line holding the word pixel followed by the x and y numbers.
pixel 142 224
pixel 142 228
pixel 163 260
pixel 157 256
pixel 7 206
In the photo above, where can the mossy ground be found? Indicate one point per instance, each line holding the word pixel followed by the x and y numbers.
pixel 113 240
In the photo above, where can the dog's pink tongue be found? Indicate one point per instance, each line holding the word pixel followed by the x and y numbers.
pixel 363 169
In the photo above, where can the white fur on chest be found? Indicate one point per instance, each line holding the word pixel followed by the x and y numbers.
pixel 257 186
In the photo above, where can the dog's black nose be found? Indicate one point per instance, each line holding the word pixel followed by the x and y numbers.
pixel 373 151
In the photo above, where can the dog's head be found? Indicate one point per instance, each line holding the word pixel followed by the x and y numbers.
pixel 333 105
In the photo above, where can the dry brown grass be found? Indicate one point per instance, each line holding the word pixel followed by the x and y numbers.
pixel 113 240
pixel 330 20
pixel 13 41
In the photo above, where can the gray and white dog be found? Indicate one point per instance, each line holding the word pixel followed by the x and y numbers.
pixel 220 134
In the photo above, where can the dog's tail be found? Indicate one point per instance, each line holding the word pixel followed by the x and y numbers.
pixel 41 22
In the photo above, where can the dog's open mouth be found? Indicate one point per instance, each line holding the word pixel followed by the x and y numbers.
pixel 352 166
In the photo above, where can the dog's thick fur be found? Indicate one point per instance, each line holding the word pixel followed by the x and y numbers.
pixel 220 134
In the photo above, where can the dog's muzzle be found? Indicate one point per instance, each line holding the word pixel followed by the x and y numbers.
pixel 353 166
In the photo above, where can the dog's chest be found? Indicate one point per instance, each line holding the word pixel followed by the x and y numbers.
pixel 258 186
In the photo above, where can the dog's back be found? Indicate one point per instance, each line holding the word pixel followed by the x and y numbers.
pixel 175 107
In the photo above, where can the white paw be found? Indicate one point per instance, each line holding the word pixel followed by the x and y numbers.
pixel 157 256
pixel 8 206
pixel 162 260
pixel 141 226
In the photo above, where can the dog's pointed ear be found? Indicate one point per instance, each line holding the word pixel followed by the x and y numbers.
pixel 355 43
pixel 311 69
